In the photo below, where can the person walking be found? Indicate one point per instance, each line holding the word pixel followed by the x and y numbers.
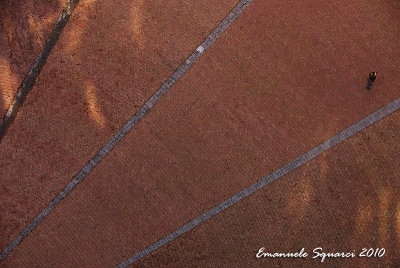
pixel 371 79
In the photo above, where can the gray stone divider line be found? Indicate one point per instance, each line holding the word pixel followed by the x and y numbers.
pixel 211 38
pixel 299 161
pixel 36 68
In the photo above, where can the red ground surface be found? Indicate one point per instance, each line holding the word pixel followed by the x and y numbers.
pixel 24 27
pixel 281 80
pixel 110 58
pixel 343 200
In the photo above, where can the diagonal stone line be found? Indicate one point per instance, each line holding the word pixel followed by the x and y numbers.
pixel 37 66
pixel 181 70
pixel 299 161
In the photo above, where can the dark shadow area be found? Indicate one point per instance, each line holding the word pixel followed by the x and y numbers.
pixel 24 27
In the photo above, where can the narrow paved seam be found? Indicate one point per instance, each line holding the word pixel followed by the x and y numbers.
pixel 299 161
pixel 36 68
pixel 211 38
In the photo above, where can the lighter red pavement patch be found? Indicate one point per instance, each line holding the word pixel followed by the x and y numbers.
pixel 345 199
pixel 111 57
pixel 227 123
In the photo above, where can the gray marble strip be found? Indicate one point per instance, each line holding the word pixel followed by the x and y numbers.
pixel 299 161
pixel 125 129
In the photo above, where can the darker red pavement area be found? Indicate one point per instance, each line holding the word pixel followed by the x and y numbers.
pixel 345 199
pixel 281 80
